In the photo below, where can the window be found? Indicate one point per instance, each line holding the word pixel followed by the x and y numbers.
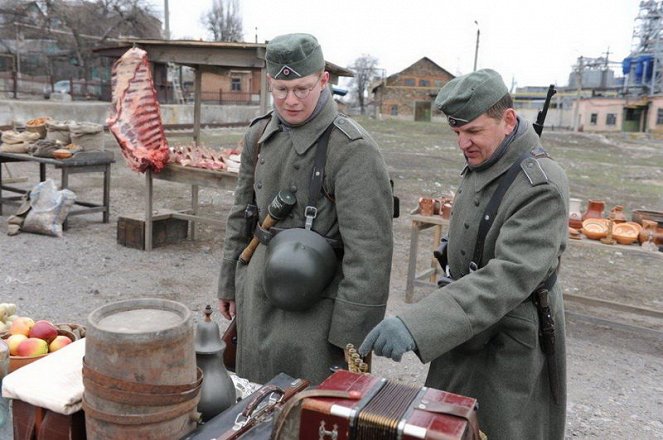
pixel 611 119
pixel 659 116
pixel 409 82
pixel 236 85
pixel 394 110
pixel 424 83
pixel 593 118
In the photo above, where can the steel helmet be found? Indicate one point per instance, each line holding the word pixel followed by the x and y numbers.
pixel 300 264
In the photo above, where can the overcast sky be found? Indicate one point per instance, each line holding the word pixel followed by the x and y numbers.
pixel 528 42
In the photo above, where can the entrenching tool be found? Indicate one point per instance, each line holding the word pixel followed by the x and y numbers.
pixel 277 210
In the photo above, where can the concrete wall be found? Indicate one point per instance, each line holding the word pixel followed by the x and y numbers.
pixel 18 112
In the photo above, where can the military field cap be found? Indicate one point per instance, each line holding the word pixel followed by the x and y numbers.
pixel 293 56
pixel 467 97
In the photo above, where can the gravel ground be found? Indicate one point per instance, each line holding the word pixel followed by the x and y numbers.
pixel 614 379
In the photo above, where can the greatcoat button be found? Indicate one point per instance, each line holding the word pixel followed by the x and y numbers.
pixel 462 252
pixel 467 226
pixel 296 166
pixel 262 160
pixel 293 188
pixel 476 202
pixel 259 185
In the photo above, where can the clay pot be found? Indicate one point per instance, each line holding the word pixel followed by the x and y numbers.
pixel 446 210
pixel 595 228
pixel 575 216
pixel 426 206
pixel 624 233
pixel 617 214
pixel 594 209
pixel 653 229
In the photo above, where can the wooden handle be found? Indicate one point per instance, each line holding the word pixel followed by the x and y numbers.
pixel 247 253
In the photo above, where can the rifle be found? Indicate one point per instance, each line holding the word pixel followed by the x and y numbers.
pixel 541 117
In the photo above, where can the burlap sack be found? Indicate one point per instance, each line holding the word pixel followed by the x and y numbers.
pixel 58 131
pixel 14 137
pixel 49 209
pixel 22 147
pixel 87 135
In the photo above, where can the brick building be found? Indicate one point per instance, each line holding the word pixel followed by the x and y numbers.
pixel 411 92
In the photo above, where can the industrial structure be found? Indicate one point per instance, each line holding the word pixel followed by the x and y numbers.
pixel 643 68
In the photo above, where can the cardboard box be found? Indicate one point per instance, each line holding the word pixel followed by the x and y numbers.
pixel 165 230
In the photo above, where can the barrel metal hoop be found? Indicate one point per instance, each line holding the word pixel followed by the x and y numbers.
pixel 139 419
pixel 134 398
pixel 135 387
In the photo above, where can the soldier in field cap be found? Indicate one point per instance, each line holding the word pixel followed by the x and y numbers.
pixel 481 328
pixel 296 328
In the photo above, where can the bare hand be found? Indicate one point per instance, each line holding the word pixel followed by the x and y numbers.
pixel 227 308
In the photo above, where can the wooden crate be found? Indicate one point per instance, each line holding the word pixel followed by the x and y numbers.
pixel 165 230
pixel 37 423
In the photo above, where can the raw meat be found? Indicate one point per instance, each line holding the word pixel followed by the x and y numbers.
pixel 135 118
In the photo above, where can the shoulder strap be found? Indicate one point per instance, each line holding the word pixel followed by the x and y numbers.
pixel 491 209
pixel 317 176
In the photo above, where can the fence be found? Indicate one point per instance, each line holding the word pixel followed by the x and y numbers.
pixel 41 87
pixel 230 98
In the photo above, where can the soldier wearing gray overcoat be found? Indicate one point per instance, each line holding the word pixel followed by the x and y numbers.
pixel 481 331
pixel 354 211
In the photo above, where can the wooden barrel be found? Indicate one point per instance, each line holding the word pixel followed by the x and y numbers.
pixel 139 371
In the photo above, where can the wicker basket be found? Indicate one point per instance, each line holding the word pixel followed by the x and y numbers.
pixel 16 362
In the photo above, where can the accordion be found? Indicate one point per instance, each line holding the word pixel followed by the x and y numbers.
pixel 380 409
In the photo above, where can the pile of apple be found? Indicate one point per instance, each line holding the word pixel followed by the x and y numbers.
pixel 29 338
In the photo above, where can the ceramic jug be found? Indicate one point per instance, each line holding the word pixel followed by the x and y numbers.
pixel 594 209
pixel 575 216
pixel 217 392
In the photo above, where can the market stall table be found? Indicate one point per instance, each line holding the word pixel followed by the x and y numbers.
pixel 428 277
pixel 82 162
pixel 195 177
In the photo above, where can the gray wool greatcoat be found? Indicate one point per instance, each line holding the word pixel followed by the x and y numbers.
pixel 356 208
pixel 480 333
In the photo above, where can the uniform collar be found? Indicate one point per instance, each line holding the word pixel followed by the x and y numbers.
pixel 525 139
pixel 305 136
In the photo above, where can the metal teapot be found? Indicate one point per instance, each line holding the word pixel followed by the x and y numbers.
pixel 217 392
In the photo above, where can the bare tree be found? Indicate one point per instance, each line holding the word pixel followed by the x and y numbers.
pixel 76 28
pixel 365 70
pixel 224 21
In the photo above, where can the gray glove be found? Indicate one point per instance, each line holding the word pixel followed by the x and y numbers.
pixel 390 338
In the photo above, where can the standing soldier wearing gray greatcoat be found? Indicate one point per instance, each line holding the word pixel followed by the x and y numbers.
pixel 481 331
pixel 284 323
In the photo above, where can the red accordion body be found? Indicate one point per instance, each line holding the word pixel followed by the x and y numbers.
pixel 386 410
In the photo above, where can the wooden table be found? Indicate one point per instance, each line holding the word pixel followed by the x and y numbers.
pixel 195 177
pixel 420 223
pixel 82 162
pixel 429 277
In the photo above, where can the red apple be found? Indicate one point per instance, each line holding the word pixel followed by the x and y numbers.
pixel 13 342
pixel 21 326
pixel 59 342
pixel 32 347
pixel 43 330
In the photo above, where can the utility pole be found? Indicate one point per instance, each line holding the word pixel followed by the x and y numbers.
pixel 476 49
pixel 166 19
pixel 18 52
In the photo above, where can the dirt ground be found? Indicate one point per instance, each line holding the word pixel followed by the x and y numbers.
pixel 615 377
